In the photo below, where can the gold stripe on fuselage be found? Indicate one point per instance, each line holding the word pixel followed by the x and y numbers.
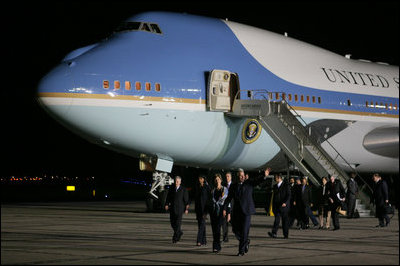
pixel 196 101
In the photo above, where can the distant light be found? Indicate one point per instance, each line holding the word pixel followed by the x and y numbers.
pixel 106 142
pixel 348 56
pixel 286 34
pixel 70 188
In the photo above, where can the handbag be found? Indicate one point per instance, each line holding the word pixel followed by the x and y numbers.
pixel 342 209
pixel 389 209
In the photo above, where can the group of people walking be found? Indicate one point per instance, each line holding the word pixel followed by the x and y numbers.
pixel 232 203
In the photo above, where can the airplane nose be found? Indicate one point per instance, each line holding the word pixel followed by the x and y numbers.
pixel 52 90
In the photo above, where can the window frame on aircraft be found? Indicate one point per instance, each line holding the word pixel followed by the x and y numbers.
pixel 157 87
pixel 139 26
pixel 155 28
pixel 302 98
pixel 128 85
pixel 106 84
pixel 148 86
pixel 319 100
pixel 138 85
pixel 290 97
pixel 117 85
pixel 145 27
pixel 313 99
pixel 348 102
pixel 296 98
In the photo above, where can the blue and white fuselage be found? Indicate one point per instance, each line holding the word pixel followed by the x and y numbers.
pixel 144 91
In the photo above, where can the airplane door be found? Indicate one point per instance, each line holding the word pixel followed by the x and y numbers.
pixel 219 91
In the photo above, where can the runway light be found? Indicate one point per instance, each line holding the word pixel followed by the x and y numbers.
pixel 70 188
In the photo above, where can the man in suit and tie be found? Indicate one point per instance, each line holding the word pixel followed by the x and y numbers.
pixel 352 190
pixel 303 201
pixel 177 203
pixel 280 206
pixel 227 218
pixel 243 207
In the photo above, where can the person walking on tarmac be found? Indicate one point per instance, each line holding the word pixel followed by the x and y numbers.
pixel 177 203
pixel 280 206
pixel 336 196
pixel 202 195
pixel 381 199
pixel 243 207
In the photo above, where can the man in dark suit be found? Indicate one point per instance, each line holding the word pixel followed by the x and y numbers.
pixel 225 224
pixel 177 203
pixel 381 199
pixel 280 206
pixel 243 207
pixel 303 201
pixel 336 196
pixel 352 190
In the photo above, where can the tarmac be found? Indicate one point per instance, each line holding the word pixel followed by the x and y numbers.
pixel 110 233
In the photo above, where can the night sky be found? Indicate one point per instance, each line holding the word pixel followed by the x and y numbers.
pixel 37 35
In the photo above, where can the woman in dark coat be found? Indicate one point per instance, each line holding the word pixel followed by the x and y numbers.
pixel 202 195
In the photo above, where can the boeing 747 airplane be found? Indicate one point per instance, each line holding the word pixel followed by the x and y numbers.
pixel 179 89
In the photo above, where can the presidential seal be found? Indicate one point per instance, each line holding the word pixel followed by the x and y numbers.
pixel 251 131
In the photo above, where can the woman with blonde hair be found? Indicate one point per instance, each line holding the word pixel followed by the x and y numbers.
pixel 219 194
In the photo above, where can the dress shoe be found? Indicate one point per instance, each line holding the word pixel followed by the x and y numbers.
pixel 216 251
pixel 179 236
pixel 240 254
pixel 246 248
pixel 272 235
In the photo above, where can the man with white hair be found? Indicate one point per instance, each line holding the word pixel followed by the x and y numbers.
pixel 177 203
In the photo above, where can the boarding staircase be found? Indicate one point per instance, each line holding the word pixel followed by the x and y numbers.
pixel 290 132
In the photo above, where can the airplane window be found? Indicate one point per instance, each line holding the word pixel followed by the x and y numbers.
pixel 128 26
pixel 395 106
pixel 270 95
pixel 158 87
pixel 127 85
pixel 348 102
pixel 296 98
pixel 155 28
pixel 302 98
pixel 386 106
pixel 145 27
pixel 283 96
pixel 117 85
pixel 148 86
pixel 290 97
pixel 366 104
pixel 277 95
pixel 319 99
pixel 138 86
pixel 313 99
pixel 391 106
pixel 142 26
pixel 308 98
pixel 106 84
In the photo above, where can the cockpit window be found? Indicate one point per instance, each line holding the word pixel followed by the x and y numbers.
pixel 145 27
pixel 155 28
pixel 128 26
pixel 139 26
